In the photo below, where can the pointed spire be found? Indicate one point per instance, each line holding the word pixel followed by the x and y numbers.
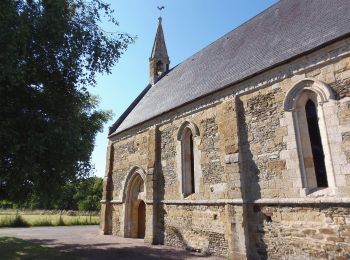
pixel 159 60
pixel 159 50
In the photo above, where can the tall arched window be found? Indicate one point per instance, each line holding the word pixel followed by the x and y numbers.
pixel 316 144
pixel 304 101
pixel 187 132
pixel 187 162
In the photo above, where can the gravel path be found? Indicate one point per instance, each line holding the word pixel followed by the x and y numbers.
pixel 85 242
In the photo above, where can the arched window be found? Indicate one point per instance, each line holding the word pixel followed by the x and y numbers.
pixel 316 144
pixel 304 101
pixel 187 132
pixel 187 162
pixel 159 68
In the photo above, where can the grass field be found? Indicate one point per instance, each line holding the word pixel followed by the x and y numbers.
pixel 26 220
pixel 14 248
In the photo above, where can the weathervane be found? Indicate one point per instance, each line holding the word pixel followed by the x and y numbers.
pixel 160 8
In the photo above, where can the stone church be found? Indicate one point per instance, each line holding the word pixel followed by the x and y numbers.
pixel 243 149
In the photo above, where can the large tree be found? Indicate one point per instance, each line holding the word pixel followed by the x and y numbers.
pixel 50 52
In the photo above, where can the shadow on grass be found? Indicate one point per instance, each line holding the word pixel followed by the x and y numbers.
pixel 13 221
pixel 14 248
pixel 109 251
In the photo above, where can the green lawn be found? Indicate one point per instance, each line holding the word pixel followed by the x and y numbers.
pixel 14 248
pixel 46 220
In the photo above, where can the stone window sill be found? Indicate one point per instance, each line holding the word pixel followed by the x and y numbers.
pixel 318 192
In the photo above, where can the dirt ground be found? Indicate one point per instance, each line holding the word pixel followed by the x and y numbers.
pixel 85 242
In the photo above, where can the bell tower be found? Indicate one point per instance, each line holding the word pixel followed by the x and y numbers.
pixel 159 60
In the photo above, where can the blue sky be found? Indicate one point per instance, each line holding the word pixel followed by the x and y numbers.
pixel 189 26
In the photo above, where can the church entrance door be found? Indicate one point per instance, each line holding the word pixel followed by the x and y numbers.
pixel 135 208
pixel 141 227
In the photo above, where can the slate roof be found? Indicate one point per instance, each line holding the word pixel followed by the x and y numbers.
pixel 284 31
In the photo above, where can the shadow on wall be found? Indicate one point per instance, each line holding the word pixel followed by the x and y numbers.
pixel 109 196
pixel 180 240
pixel 175 238
pixel 252 219
pixel 158 188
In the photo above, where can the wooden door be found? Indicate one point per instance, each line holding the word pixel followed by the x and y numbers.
pixel 141 223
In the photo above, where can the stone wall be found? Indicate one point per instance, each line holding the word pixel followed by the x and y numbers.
pixel 301 231
pixel 261 140
pixel 117 220
pixel 200 228
pixel 168 155
pixel 127 154
pixel 212 168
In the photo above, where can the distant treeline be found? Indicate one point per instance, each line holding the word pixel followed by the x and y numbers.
pixel 82 194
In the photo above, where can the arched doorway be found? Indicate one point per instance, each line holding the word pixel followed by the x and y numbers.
pixel 135 208
pixel 141 220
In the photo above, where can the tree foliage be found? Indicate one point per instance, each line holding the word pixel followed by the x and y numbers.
pixel 82 194
pixel 88 195
pixel 50 51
